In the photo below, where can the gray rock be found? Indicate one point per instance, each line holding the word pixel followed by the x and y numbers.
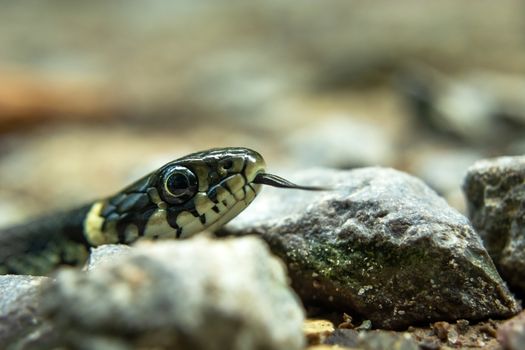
pixel 495 191
pixel 19 320
pixel 192 294
pixel 382 244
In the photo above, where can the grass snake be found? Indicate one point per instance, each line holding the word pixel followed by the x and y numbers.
pixel 203 190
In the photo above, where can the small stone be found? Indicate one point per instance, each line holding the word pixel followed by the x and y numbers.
pixel 366 325
pixel 489 329
pixel 462 326
pixel 495 192
pixel 380 242
pixel 316 331
pixel 452 336
pixel 347 322
pixel 192 294
pixel 441 330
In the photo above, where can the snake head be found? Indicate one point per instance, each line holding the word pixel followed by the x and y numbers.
pixel 203 190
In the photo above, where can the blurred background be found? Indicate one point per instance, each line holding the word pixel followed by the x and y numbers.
pixel 95 94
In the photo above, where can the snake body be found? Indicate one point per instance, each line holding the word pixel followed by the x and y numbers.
pixel 203 190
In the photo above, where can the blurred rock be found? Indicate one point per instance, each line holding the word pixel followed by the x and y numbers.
pixel 495 191
pixel 444 171
pixel 106 253
pixel 31 97
pixel 193 294
pixel 19 321
pixel 511 334
pixel 382 244
pixel 478 108
pixel 341 142
pixel 224 51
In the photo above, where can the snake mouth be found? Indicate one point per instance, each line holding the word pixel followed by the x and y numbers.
pixel 219 205
pixel 241 192
pixel 241 199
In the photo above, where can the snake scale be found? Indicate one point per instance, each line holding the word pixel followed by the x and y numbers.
pixel 203 190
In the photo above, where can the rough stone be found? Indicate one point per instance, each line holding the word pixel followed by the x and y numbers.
pixel 19 321
pixel 382 244
pixel 495 191
pixel 193 294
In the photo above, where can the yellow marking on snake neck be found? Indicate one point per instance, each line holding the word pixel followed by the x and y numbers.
pixel 93 225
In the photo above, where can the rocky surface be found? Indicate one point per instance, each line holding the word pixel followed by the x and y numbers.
pixel 440 335
pixel 495 191
pixel 19 321
pixel 373 340
pixel 195 294
pixel 381 244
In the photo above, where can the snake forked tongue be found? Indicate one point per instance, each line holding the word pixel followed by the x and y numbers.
pixel 276 181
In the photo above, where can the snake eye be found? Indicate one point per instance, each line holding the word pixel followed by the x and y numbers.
pixel 179 185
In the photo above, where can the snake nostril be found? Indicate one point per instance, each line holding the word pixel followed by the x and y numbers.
pixel 226 164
